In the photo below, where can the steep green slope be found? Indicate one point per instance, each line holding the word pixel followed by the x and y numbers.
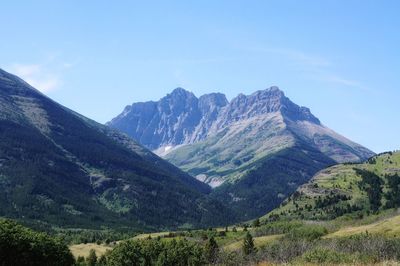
pixel 358 189
pixel 271 179
pixel 59 168
pixel 234 150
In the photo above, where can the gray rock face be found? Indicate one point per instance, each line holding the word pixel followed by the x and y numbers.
pixel 180 118
pixel 263 102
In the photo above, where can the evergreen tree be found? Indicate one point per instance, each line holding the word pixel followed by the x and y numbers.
pixel 393 194
pixel 256 223
pixel 80 261
pixel 211 250
pixel 91 260
pixel 102 261
pixel 248 244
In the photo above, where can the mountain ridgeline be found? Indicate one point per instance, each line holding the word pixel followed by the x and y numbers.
pixel 255 150
pixel 60 168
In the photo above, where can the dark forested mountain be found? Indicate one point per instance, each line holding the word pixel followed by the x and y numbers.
pixel 58 167
pixel 256 149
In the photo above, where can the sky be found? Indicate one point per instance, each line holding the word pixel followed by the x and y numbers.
pixel 339 58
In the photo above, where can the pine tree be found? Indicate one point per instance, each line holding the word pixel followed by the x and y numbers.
pixel 256 223
pixel 248 244
pixel 211 250
pixel 102 261
pixel 91 260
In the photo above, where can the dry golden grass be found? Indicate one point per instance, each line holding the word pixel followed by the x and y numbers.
pixel 82 250
pixel 387 227
pixel 152 235
pixel 258 242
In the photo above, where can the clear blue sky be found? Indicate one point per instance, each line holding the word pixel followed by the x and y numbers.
pixel 340 58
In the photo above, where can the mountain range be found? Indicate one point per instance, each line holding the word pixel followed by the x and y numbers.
pixel 255 150
pixel 60 168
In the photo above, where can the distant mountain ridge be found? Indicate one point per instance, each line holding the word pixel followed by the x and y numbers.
pixel 255 150
pixel 181 118
pixel 60 168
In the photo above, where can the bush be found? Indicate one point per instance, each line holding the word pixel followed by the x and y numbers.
pixel 152 252
pixel 22 246
pixel 377 248
pixel 284 250
pixel 274 228
pixel 308 232
pixel 323 255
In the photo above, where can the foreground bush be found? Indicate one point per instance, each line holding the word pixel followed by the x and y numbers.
pixel 362 249
pixel 327 256
pixel 22 246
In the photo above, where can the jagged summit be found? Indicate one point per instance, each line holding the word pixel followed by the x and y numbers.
pixel 180 90
pixel 182 118
pixel 180 93
pixel 271 100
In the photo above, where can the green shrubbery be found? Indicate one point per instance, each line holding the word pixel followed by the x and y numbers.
pixel 307 232
pixel 154 252
pixel 22 246
pixel 323 255
pixel 279 227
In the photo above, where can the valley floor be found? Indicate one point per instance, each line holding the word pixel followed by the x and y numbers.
pixel 372 240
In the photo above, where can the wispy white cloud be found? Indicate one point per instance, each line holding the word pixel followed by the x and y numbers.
pixel 312 66
pixel 37 76
pixel 301 58
pixel 332 78
pixel 319 68
pixel 45 75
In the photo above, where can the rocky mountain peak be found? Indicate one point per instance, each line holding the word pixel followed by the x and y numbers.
pixel 212 100
pixel 262 102
pixel 182 118
pixel 180 93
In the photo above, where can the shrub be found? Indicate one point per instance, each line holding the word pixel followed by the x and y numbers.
pixel 152 252
pixel 308 232
pixel 22 246
pixel 323 255
pixel 284 250
pixel 280 227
